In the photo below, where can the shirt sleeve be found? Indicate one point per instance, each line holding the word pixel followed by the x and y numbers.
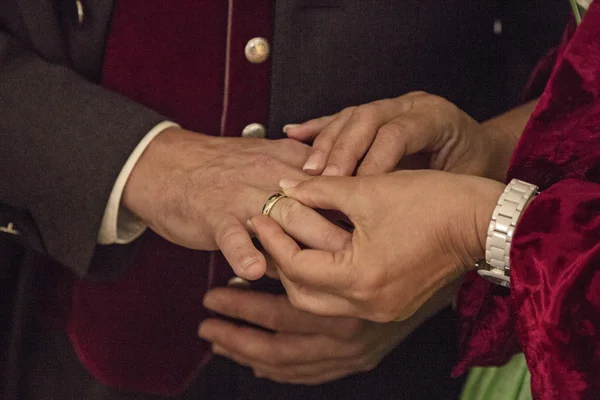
pixel 119 225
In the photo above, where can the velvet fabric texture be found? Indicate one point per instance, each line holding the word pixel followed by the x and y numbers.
pixel 552 312
pixel 139 332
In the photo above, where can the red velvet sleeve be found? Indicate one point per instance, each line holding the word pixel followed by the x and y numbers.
pixel 552 311
pixel 557 290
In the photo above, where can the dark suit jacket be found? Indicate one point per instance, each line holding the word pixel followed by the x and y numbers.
pixel 61 135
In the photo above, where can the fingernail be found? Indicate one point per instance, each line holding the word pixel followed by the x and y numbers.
pixel 331 170
pixel 250 226
pixel 209 302
pixel 289 126
pixel 217 349
pixel 288 183
pixel 248 261
pixel 202 332
pixel 314 161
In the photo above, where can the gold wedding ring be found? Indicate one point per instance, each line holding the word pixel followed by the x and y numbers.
pixel 270 203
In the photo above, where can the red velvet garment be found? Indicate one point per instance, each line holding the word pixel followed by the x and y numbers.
pixel 552 312
pixel 139 332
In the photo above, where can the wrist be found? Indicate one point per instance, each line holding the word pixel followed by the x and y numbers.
pixel 148 184
pixel 501 143
pixel 486 197
pixel 505 217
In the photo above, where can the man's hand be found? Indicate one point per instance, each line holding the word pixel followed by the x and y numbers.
pixel 414 233
pixel 198 191
pixel 384 132
pixel 297 347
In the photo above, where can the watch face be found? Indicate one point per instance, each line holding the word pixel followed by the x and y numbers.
pixel 495 277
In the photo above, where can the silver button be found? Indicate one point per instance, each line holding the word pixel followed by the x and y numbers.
pixel 257 50
pixel 255 131
pixel 238 282
pixel 10 228
pixel 80 13
pixel 498 27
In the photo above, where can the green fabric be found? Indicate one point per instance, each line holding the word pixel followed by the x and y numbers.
pixel 509 382
pixel 578 11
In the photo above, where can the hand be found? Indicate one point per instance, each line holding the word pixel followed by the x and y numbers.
pixel 198 191
pixel 297 347
pixel 415 232
pixel 384 132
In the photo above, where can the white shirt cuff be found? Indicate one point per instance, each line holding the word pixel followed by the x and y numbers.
pixel 119 225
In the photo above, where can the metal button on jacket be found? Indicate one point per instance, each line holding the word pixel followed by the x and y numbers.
pixel 10 228
pixel 237 282
pixel 80 13
pixel 255 130
pixel 257 50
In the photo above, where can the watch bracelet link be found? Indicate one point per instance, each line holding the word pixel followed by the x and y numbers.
pixel 507 212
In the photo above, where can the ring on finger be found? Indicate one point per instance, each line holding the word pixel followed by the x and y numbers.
pixel 270 203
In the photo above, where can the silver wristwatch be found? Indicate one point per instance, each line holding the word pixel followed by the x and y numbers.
pixel 511 204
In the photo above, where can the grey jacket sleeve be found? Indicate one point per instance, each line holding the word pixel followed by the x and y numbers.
pixel 63 141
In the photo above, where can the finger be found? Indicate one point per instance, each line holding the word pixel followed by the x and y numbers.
pixel 267 347
pixel 270 182
pixel 236 245
pixel 289 152
pixel 309 373
pixel 317 378
pixel 384 155
pixel 275 312
pixel 407 134
pixel 269 311
pixel 308 226
pixel 324 142
pixel 319 300
pixel 272 271
pixel 323 273
pixel 358 133
pixel 309 129
pixel 327 193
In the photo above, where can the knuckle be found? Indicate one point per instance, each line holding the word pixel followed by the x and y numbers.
pixel 266 161
pixel 373 164
pixel 348 111
pixel 440 104
pixel 259 374
pixel 399 127
pixel 333 238
pixel 358 350
pixel 365 290
pixel 288 209
pixel 367 364
pixel 383 316
pixel 291 145
pixel 346 149
pixel 229 233
pixel 296 299
pixel 350 328
pixel 388 310
pixel 418 93
pixel 274 321
pixel 368 110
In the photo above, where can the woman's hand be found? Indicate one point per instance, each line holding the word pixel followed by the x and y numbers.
pixel 414 232
pixel 384 132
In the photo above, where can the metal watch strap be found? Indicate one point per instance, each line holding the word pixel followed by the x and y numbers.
pixel 508 210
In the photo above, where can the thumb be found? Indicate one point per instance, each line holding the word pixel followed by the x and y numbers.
pixel 323 192
pixel 235 243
